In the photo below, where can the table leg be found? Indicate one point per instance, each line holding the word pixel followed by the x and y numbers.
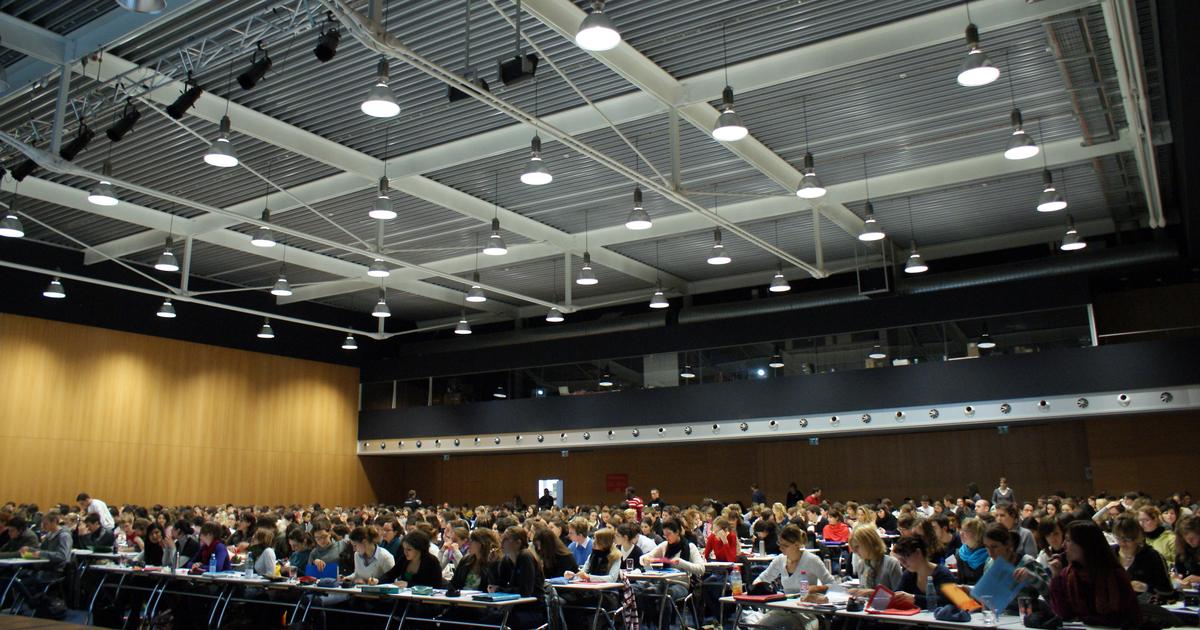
pixel 387 623
pixel 599 607
pixel 12 580
pixel 504 618
pixel 229 598
pixel 217 604
pixel 664 595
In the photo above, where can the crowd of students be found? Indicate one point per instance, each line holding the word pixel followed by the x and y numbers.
pixel 1103 560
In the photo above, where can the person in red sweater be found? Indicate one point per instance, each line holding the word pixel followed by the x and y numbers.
pixel 836 530
pixel 814 498
pixel 1092 587
pixel 722 543
pixel 634 502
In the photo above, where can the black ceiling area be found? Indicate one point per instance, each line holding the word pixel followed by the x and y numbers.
pixel 108 165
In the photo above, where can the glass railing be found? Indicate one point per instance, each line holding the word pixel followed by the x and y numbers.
pixel 981 338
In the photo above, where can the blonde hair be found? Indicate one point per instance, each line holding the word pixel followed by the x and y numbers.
pixel 973 526
pixel 607 538
pixel 866 516
pixel 867 543
pixel 780 513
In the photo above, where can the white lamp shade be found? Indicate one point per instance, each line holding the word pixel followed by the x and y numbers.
pixel 281 288
pixel 167 310
pixel 381 309
pixel 810 187
pixel 536 173
pixel 102 194
pixel 10 226
pixel 55 289
pixel 464 328
pixel 378 269
pixel 977 70
pixel 262 237
pixel 221 154
pixel 1020 146
pixel 554 316
pixel 349 343
pixel 597 33
pixel 779 283
pixel 1051 200
pixel 729 127
pixel 659 300
pixel 167 261
pixel 382 209
pixel 380 102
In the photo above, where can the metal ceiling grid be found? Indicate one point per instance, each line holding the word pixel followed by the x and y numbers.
pixel 539 278
pixel 59 16
pixel 404 306
pixel 86 227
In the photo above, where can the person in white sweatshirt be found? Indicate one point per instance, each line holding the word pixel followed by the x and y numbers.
pixel 792 567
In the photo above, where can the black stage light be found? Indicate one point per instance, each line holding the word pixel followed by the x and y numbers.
pixel 518 69
pixel 129 116
pixel 259 64
pixel 24 169
pixel 78 143
pixel 191 93
pixel 454 94
pixel 327 43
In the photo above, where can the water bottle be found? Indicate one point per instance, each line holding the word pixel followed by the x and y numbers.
pixel 762 547
pixel 212 562
pixel 803 584
pixel 930 595
pixel 735 581
pixel 249 564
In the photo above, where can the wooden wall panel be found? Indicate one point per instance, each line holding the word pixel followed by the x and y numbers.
pixel 1155 454
pixel 134 418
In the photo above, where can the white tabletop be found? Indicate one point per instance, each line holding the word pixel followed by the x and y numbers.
pixel 21 562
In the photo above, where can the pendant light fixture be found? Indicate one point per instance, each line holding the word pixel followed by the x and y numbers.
pixel 597 32
pixel 554 316
pixel 463 327
pixel 985 341
pixel 349 343
pixel 1021 145
pixel 381 101
pixel 102 193
pixel 605 380
pixel 167 310
pixel 378 269
pixel 776 362
pixel 282 288
pixel 381 309
pixel 718 255
pixel 54 289
pixel 687 372
pixel 779 283
pixel 1051 200
pixel 10 225
pixel 729 126
pixel 221 152
pixel 810 185
pixel 536 173
pixel 1072 241
pixel 475 293
pixel 587 276
pixel 500 392
pixel 495 244
pixel 871 230
pixel 658 299
pixel 166 260
pixel 976 69
pixel 265 331
pixel 382 209
pixel 263 236
pixel 914 264
pixel 638 218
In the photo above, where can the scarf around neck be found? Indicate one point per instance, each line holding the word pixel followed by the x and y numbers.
pixel 974 558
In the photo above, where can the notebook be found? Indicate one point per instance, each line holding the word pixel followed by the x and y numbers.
pixel 760 599
pixel 330 571
pixel 495 597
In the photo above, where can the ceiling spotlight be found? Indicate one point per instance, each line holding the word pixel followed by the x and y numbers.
pixel 1051 200
pixel 985 341
pixel 810 186
pixel 499 393
pixel 597 32
pixel 915 264
pixel 554 316
pixel 349 343
pixel 475 293
pixel 1020 144
pixel 687 372
pixel 103 194
pixel 186 99
pixel 776 361
pixel 77 144
pixel 327 41
pixel 718 255
pixel 605 380
pixel 378 269
pixel 729 126
pixel 55 289
pixel 222 153
pixel 129 116
pixel 977 69
pixel 495 245
pixel 1071 240
pixel 281 288
pixel 259 64
pixel 262 235
pixel 266 332
pixel 382 209
pixel 638 219
pixel 779 283
pixel 587 277
pixel 659 300
pixel 143 6
pixel 167 310
pixel 463 327
pixel 535 172
pixel 10 225
pixel 381 309
pixel 166 260
pixel 380 101
pixel 877 353
pixel 871 230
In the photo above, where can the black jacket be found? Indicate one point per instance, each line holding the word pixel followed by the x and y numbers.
pixel 429 573
pixel 523 577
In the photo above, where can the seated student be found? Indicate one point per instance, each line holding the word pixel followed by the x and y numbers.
pixel 911 552
pixel 325 550
pixel 94 534
pixel 184 539
pixel 243 530
pixel 519 572
pixel 836 531
pixel 262 551
pixel 1050 535
pixel 722 543
pixel 604 565
pixel 793 565
pixel 1157 536
pixel 873 565
pixel 765 541
pixel 19 535
pixel 947 539
pixel 416 566
pixel 158 550
pixel 371 562
pixel 581 544
pixel 1146 568
pixel 885 520
pixel 1001 543
pixel 55 548
pixel 1092 586
pixel 676 552
pixel 1006 515
pixel 1187 549
pixel 211 546
pixel 483 551
pixel 300 545
pixel 556 560
pixel 628 536
pixel 390 533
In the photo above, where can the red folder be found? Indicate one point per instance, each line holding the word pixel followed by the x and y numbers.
pixel 884 602
pixel 760 599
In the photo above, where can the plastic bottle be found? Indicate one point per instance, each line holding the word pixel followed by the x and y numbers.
pixel 735 581
pixel 930 595
pixel 212 562
pixel 803 584
pixel 249 564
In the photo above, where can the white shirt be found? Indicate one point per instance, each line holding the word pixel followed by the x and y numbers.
pixel 809 563
pixel 645 543
pixel 375 566
pixel 96 506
